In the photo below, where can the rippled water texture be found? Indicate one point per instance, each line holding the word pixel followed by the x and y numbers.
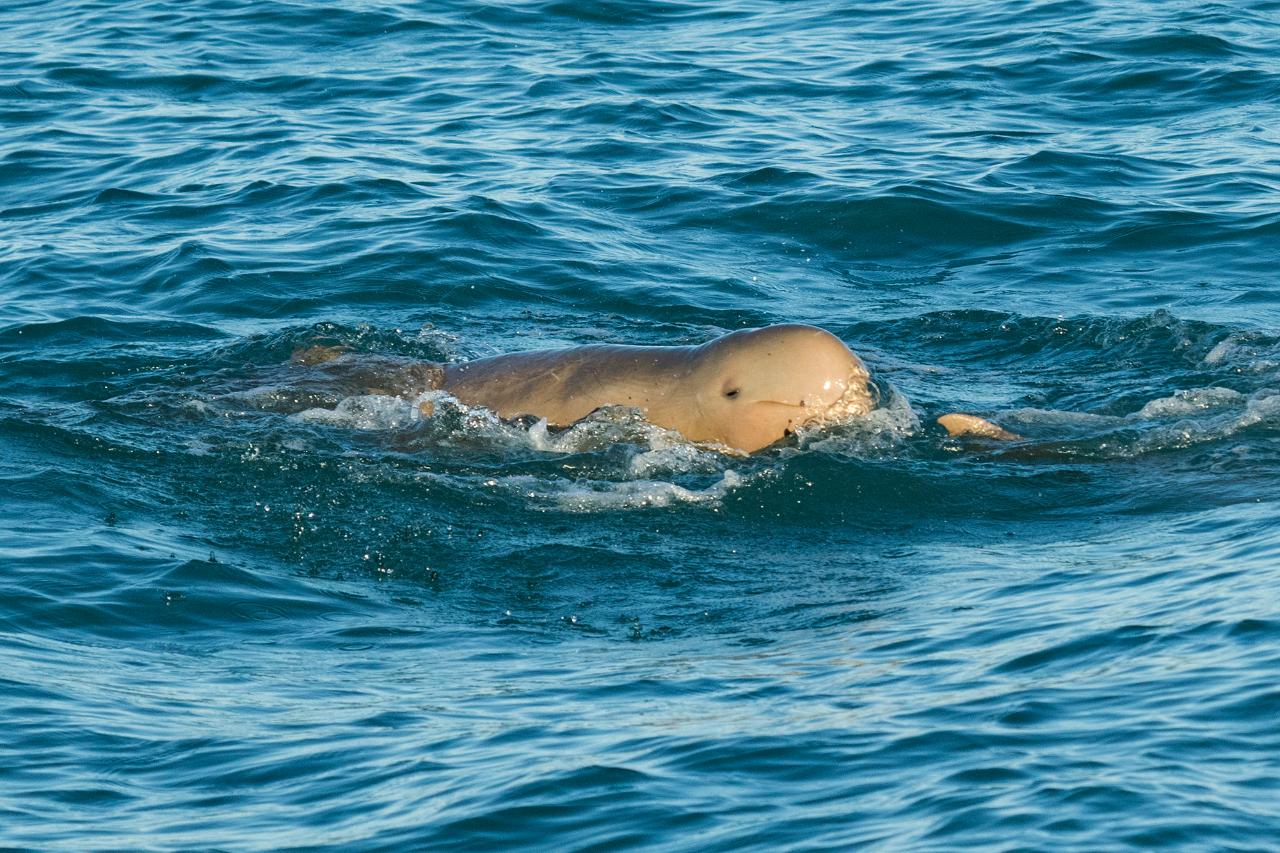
pixel 246 608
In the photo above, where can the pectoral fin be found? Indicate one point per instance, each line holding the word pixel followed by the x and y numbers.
pixel 957 424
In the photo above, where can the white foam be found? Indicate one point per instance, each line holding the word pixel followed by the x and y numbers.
pixel 881 430
pixel 672 456
pixel 1057 419
pixel 599 495
pixel 1198 416
pixel 1251 352
pixel 1182 419
pixel 1191 401
pixel 1262 407
pixel 1223 350
pixel 639 469
pixel 365 412
pixel 601 429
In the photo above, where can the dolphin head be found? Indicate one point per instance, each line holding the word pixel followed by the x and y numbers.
pixel 755 386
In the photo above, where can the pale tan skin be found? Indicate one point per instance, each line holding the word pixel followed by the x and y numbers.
pixel 957 424
pixel 745 390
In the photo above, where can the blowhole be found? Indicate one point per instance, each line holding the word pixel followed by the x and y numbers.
pixel 733 393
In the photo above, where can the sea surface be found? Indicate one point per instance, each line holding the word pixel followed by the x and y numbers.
pixel 244 610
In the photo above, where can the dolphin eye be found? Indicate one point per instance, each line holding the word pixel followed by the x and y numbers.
pixel 732 392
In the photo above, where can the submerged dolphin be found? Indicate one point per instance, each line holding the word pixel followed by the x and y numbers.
pixel 746 390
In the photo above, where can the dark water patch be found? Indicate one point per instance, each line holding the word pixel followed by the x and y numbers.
pixel 876 227
pixel 1168 45
pixel 1160 341
pixel 624 13
pixel 117 195
pixel 79 332
pixel 1144 88
pixel 191 598
pixel 772 178
pixel 1182 230
pixel 177 86
pixel 643 116
pixel 267 199
pixel 1075 168
pixel 1099 647
pixel 332 25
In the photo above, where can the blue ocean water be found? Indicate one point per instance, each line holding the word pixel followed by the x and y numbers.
pixel 241 610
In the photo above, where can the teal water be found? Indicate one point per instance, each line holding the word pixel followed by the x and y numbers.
pixel 241 609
